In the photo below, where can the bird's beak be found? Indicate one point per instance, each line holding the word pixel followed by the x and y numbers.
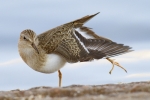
pixel 33 45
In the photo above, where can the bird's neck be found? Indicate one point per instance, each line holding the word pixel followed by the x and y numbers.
pixel 32 58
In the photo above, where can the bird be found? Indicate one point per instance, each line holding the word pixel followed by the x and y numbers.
pixel 49 51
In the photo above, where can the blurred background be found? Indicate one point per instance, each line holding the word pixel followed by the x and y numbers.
pixel 123 21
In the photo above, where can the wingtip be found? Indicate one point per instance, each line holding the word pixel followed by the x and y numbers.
pixel 97 13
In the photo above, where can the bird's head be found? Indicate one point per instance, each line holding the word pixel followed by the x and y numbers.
pixel 28 39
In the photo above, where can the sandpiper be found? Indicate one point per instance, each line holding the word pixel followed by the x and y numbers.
pixel 49 51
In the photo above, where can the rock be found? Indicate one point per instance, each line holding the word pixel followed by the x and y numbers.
pixel 126 91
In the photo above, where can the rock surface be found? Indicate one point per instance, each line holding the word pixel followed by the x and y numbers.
pixel 127 91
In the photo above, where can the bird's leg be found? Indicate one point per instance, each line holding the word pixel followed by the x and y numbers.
pixel 60 77
pixel 115 63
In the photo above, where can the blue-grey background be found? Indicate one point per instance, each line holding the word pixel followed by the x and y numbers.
pixel 123 21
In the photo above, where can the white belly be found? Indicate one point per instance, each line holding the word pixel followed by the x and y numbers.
pixel 54 63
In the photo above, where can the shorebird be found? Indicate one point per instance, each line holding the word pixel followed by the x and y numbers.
pixel 49 51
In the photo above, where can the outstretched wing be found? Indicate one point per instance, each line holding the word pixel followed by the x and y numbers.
pixel 74 47
pixel 69 43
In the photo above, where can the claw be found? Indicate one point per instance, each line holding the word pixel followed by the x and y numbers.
pixel 111 69
pixel 115 63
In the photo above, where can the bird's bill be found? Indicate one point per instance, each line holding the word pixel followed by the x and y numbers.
pixel 33 45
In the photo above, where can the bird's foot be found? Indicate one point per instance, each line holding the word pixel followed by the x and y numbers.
pixel 115 63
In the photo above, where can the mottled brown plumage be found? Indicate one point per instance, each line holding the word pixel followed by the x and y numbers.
pixel 49 51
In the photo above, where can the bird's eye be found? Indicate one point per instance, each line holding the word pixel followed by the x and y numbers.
pixel 24 38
